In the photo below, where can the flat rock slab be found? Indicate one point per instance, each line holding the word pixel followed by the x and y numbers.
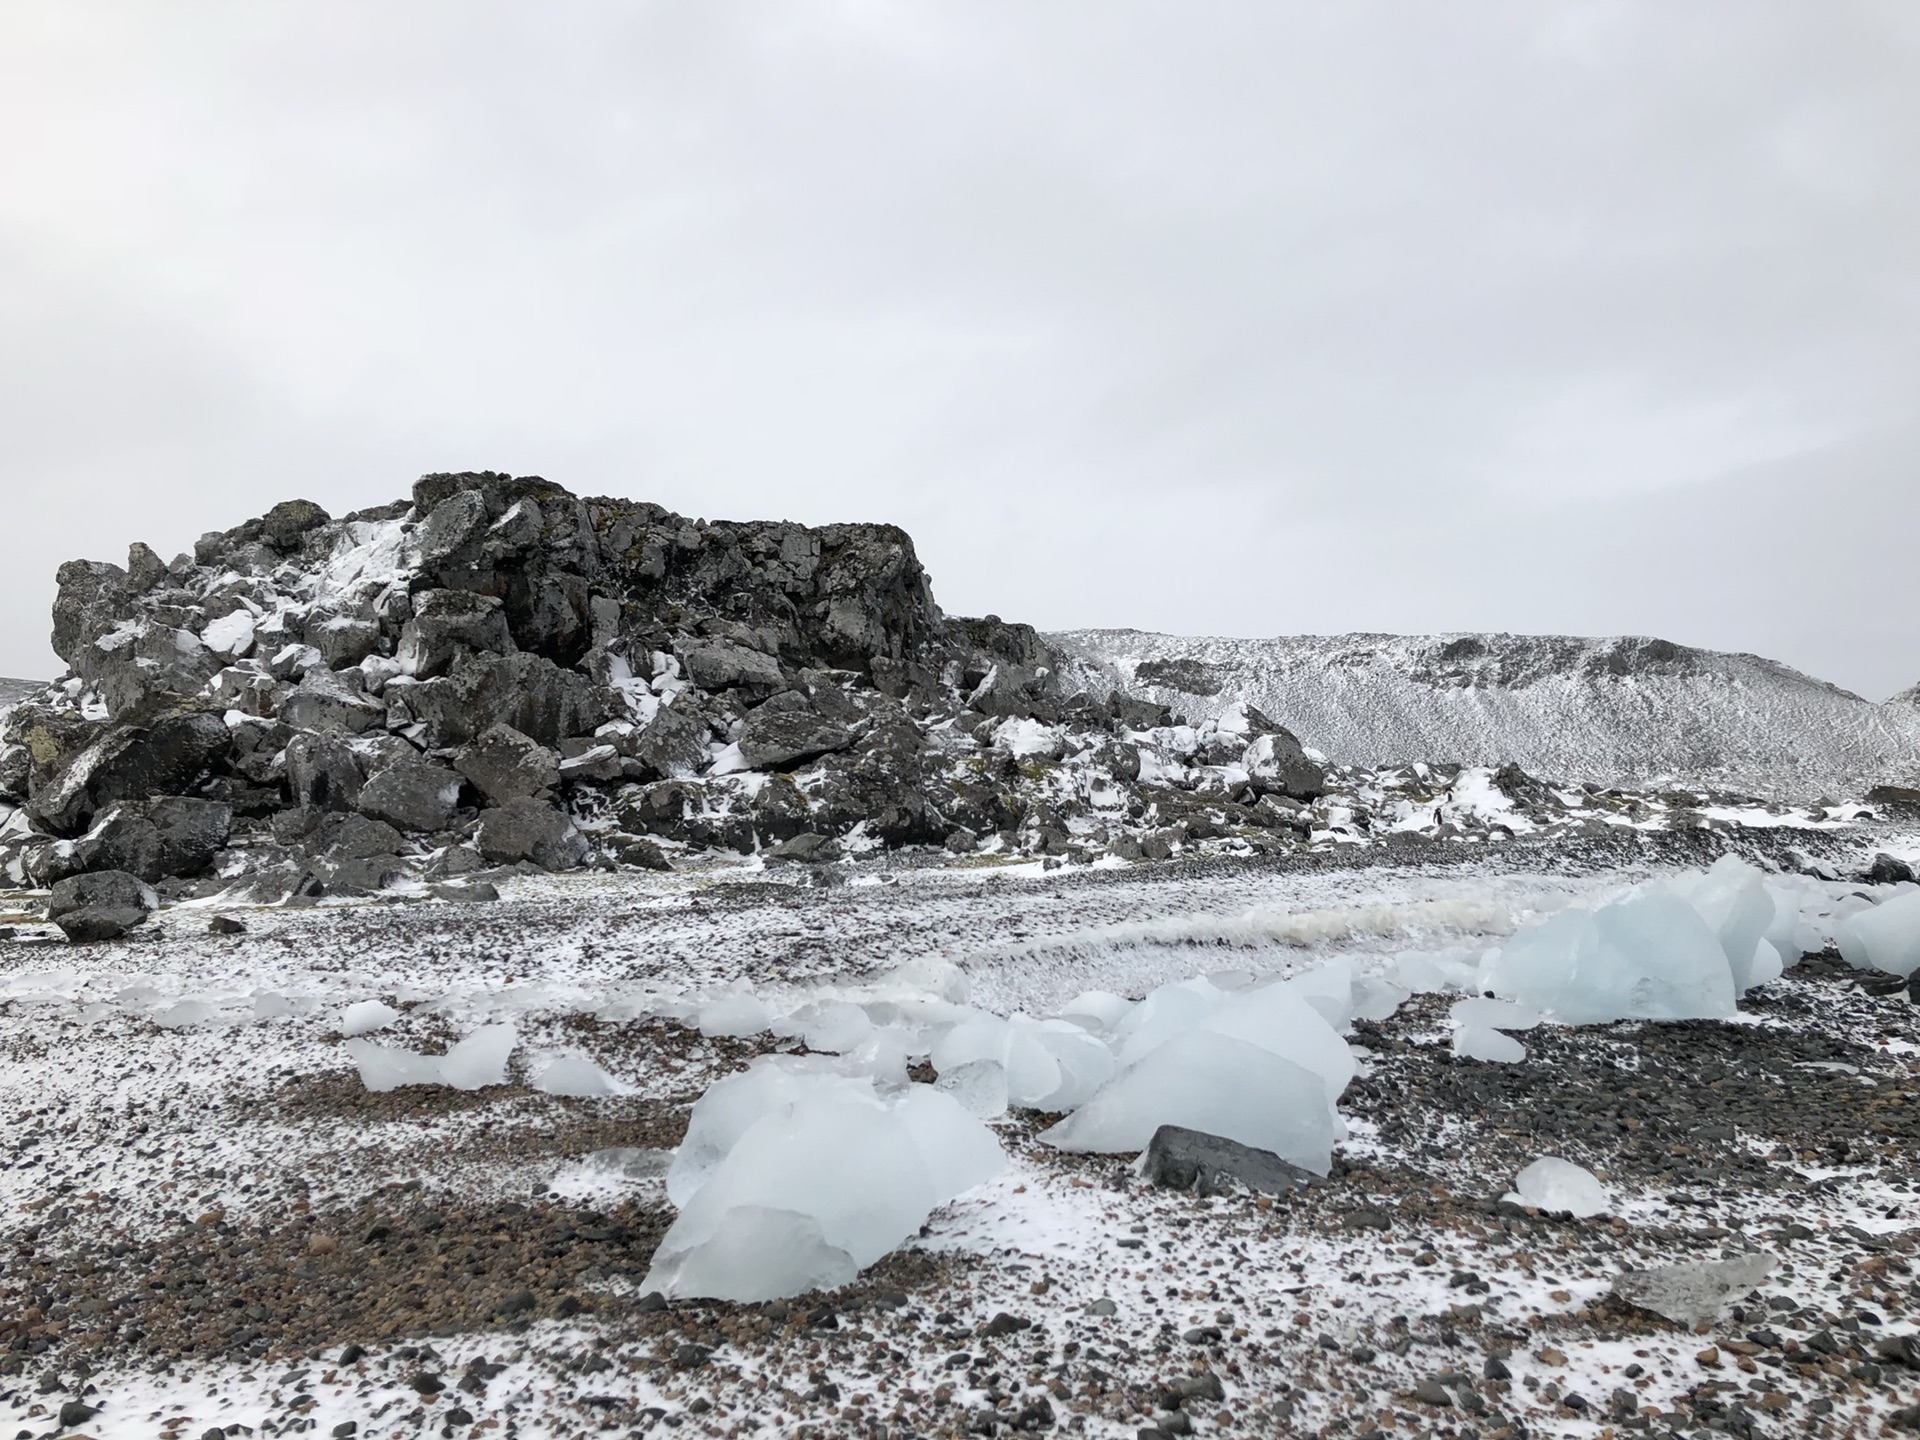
pixel 1183 1159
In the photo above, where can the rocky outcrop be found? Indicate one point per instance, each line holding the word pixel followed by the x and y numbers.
pixel 497 672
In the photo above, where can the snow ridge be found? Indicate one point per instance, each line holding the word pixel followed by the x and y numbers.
pixel 1615 710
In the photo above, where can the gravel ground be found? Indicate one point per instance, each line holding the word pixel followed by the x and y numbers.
pixel 212 1225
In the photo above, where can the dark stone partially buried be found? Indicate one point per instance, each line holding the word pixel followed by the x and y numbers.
pixel 1183 1159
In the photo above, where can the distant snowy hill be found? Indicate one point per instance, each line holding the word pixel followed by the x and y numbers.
pixel 1618 709
pixel 14 691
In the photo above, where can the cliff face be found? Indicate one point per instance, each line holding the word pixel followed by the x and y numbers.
pixel 1616 710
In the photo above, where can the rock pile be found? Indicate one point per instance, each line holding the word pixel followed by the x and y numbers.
pixel 497 672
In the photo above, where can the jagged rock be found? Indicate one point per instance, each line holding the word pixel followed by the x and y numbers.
pixel 412 794
pixel 138 660
pixel 344 640
pixel 287 524
pixel 530 830
pixel 101 906
pixel 325 701
pixel 91 596
pixel 725 666
pixel 155 839
pixel 1276 764
pixel 594 761
pixel 166 757
pixel 354 837
pixel 505 765
pixel 322 773
pixel 1183 1159
pixel 805 850
pixel 447 624
pixel 642 854
pixel 788 729
pixel 673 745
pixel 779 811
pixel 146 571
pixel 1887 870
pixel 526 691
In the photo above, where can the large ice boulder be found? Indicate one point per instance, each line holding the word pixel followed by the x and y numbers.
pixel 816 1188
pixel 1887 937
pixel 1204 1080
pixel 1648 955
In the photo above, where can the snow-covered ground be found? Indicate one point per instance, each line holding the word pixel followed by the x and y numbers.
pixel 209 1222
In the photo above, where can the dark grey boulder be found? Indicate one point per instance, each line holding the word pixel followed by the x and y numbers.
pixel 169 756
pixel 103 905
pixel 530 830
pixel 447 624
pixel 788 730
pixel 355 837
pixel 344 640
pixel 322 773
pixel 411 794
pixel 673 745
pixel 526 691
pixel 1887 870
pixel 146 571
pixel 505 765
pixel 453 529
pixel 642 854
pixel 1183 1159
pixel 328 703
pixel 804 850
pixel 289 522
pixel 592 760
pixel 155 839
pixel 722 665
pixel 1277 764
pixel 91 596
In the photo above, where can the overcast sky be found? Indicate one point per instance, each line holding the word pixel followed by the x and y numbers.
pixel 1247 318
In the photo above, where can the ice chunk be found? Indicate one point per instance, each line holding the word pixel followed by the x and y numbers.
pixel 1164 1013
pixel 1020 1046
pixel 1212 1082
pixel 815 1191
pixel 1767 964
pixel 185 1013
pixel 1096 1010
pixel 735 1015
pixel 979 1085
pixel 479 1060
pixel 1693 1294
pixel 733 1104
pixel 1430 971
pixel 365 1016
pixel 834 1028
pixel 1886 937
pixel 1281 1020
pixel 1328 989
pixel 384 1068
pixel 1732 898
pixel 578 1076
pixel 1376 999
pixel 1477 1042
pixel 1647 955
pixel 1551 1183
pixel 1082 1062
pixel 1480 1013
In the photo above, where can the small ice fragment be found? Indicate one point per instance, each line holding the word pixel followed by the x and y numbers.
pixel 1693 1294
pixel 1476 1042
pixel 271 1005
pixel 183 1014
pixel 979 1085
pixel 1551 1183
pixel 735 1015
pixel 479 1060
pixel 365 1016
pixel 577 1076
pixel 384 1068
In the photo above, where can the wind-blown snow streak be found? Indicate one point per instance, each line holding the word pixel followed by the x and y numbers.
pixel 1611 710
